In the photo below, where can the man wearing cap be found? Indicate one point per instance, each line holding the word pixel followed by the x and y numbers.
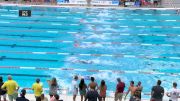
pixel 37 88
pixel 12 87
pixel 22 96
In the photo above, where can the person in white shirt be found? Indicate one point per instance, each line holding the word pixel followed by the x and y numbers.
pixel 173 93
pixel 75 88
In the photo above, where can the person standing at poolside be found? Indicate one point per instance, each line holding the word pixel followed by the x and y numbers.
pixel 92 95
pixel 75 87
pixel 157 92
pixel 131 89
pixel 173 93
pixel 2 92
pixel 139 90
pixel 53 87
pixel 93 84
pixel 37 88
pixel 119 90
pixel 22 96
pixel 102 89
pixel 82 89
pixel 12 88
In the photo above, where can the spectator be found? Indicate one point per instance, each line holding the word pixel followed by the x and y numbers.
pixel 92 95
pixel 2 91
pixel 131 89
pixel 155 3
pixel 53 87
pixel 93 84
pixel 12 88
pixel 75 88
pixel 123 2
pixel 22 96
pixel 173 93
pixel 37 88
pixel 157 92
pixel 88 2
pixel 82 89
pixel 103 89
pixel 43 98
pixel 139 90
pixel 119 90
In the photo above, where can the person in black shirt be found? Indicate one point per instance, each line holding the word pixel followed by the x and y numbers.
pixel 92 95
pixel 22 96
pixel 157 92
pixel 2 92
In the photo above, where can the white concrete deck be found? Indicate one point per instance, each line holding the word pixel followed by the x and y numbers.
pixel 69 98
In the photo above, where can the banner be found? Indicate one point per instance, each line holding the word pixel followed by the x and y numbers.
pixel 93 2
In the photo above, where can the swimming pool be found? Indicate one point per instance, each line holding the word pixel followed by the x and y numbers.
pixel 133 44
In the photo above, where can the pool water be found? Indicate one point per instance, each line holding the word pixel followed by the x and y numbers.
pixel 133 44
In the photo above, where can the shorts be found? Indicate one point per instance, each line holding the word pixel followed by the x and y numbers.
pixel 118 96
pixel 13 96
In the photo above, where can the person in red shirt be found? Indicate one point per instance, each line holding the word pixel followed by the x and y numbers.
pixel 119 90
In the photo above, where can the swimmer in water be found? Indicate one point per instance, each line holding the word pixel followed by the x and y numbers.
pixel 75 60
pixel 178 11
pixel 86 77
pixel 76 44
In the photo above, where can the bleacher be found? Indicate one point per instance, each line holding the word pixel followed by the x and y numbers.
pixel 171 3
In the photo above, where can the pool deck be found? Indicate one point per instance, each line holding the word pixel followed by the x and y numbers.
pixel 66 97
pixel 69 98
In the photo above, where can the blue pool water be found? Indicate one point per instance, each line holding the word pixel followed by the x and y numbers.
pixel 140 45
